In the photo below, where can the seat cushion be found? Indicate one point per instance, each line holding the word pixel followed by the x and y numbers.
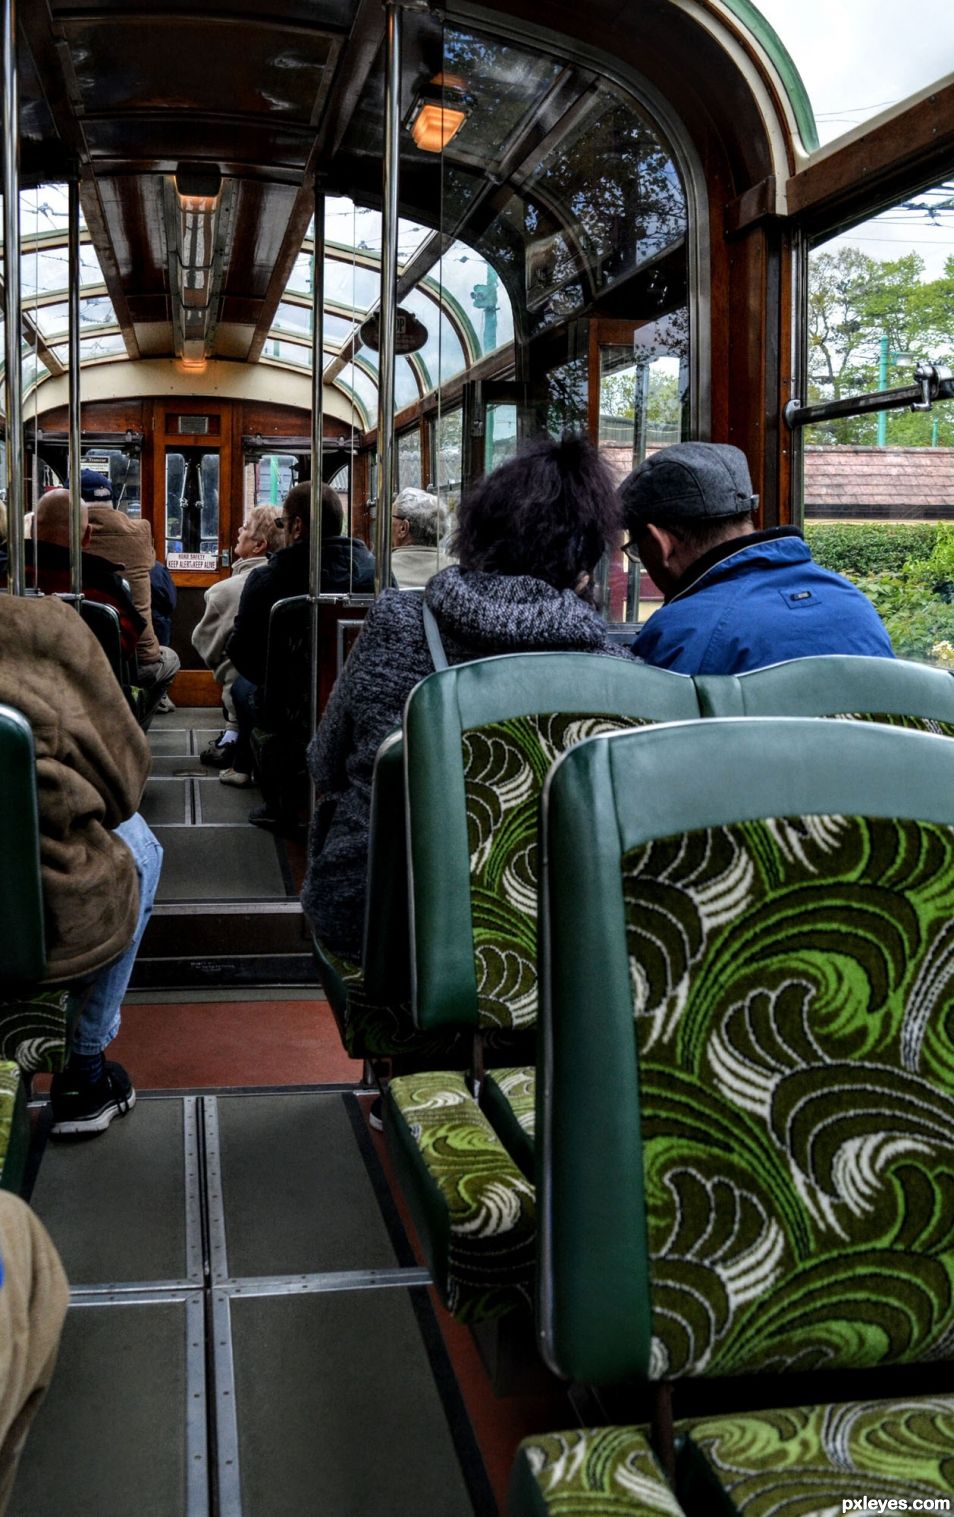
pixel 590 1472
pixel 474 1210
pixel 370 1030
pixel 14 1126
pixel 33 1030
pixel 818 1459
pixel 508 1096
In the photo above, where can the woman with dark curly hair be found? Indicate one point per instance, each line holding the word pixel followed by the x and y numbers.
pixel 528 541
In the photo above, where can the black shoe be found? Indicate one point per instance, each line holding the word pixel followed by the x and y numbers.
pixel 83 1107
pixel 218 755
pixel 376 1114
pixel 276 821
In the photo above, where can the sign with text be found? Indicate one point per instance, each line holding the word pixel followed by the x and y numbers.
pixel 204 561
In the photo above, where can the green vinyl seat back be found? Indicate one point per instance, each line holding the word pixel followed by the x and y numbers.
pixel 898 691
pixel 22 941
pixel 479 739
pixel 745 1123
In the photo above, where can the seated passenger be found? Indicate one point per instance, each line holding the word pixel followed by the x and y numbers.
pixel 346 565
pixel 417 525
pixel 34 1296
pixel 735 598
pixel 126 543
pixel 529 538
pixel 99 861
pixel 259 536
pixel 47 558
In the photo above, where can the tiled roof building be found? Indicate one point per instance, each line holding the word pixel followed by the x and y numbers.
pixel 900 484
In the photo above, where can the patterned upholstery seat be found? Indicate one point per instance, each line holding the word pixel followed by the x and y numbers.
pixel 771 903
pixel 480 739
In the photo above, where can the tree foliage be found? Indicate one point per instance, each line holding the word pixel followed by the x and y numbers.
pixel 853 302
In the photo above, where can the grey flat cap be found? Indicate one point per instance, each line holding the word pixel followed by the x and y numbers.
pixel 689 481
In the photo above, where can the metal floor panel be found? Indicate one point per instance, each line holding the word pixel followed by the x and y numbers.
pixel 338 1411
pixel 298 1195
pixel 118 1207
pixel 122 1429
pixel 230 864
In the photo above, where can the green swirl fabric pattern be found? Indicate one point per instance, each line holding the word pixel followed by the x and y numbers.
pixel 9 1086
pixel 505 765
pixel 490 1205
pixel 591 1472
pixel 793 985
pixel 33 1031
pixel 810 1460
pixel 897 719
pixel 372 1030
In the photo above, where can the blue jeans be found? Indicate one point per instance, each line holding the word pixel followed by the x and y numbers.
pixel 245 701
pixel 99 1020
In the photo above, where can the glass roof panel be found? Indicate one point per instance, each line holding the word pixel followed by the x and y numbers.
pixel 349 284
pixel 102 346
pixel 45 270
pixel 858 58
pixel 474 284
pixel 53 320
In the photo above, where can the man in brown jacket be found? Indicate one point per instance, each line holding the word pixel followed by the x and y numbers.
pixel 99 861
pixel 127 543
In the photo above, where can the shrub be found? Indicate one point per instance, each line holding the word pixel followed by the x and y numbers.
pixel 863 548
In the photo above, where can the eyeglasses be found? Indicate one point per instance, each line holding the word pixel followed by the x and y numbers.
pixel 632 552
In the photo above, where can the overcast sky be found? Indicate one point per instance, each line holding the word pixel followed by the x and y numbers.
pixel 856 58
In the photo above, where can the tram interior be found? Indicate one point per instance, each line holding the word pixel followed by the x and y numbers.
pixel 603 223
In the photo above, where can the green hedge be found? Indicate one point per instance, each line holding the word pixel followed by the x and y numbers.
pixel 861 548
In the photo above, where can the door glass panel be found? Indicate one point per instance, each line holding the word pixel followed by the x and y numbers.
pixel 409 460
pixel 500 435
pixel 192 508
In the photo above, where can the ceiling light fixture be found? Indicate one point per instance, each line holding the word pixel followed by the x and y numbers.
pixel 438 112
pixel 198 189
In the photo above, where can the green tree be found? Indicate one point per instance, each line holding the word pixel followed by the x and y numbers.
pixel 854 301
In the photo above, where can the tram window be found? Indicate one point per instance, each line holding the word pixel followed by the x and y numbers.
pixel 500 435
pixel 123 472
pixel 272 478
pixel 447 440
pixel 409 459
pixel 192 501
pixel 878 488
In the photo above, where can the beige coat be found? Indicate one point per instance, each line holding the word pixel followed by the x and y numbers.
pixel 92 762
pixel 127 542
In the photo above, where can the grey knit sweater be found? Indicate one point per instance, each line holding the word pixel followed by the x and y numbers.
pixel 478 615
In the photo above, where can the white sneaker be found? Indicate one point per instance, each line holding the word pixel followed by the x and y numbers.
pixel 236 777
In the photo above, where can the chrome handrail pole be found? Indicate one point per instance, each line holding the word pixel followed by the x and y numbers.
pixel 388 306
pixel 75 463
pixel 12 377
pixel 317 439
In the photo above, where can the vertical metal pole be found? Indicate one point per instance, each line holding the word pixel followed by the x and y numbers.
pixel 883 385
pixel 317 437
pixel 13 398
pixel 75 459
pixel 388 305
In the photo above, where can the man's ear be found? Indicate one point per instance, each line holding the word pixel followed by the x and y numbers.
pixel 664 543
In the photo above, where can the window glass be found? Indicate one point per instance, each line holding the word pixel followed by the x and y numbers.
pixel 878 489
pixel 53 320
pixel 409 459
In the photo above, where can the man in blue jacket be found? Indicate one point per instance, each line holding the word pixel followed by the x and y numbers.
pixel 735 598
